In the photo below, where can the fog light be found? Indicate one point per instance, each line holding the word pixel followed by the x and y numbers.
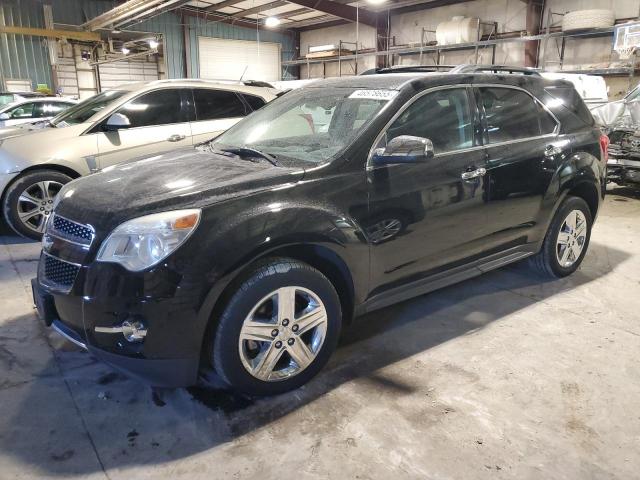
pixel 133 331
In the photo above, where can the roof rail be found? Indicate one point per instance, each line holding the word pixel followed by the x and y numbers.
pixel 473 68
pixel 248 83
pixel 408 69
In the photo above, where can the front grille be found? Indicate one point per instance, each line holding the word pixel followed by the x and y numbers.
pixel 70 230
pixel 59 272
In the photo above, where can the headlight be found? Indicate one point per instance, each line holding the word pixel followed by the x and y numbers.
pixel 145 241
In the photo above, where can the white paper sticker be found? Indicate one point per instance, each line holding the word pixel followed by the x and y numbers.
pixel 374 94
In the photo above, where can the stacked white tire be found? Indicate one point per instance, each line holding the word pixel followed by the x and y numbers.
pixel 585 19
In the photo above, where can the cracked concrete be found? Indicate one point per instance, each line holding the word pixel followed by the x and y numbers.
pixel 504 376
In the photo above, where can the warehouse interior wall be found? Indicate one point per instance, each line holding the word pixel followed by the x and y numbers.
pixel 406 29
pixel 26 57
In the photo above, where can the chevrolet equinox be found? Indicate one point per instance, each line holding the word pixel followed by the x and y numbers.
pixel 245 254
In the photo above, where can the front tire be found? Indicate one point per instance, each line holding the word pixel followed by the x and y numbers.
pixel 28 201
pixel 567 240
pixel 278 330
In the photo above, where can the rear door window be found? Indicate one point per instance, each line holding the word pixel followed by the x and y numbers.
pixel 45 109
pixel 217 104
pixel 512 114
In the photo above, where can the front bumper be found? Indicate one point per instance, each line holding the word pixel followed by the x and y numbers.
pixel 151 363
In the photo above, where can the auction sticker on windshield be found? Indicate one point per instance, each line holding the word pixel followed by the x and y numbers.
pixel 374 94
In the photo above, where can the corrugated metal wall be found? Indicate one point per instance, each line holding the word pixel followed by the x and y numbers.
pixel 76 12
pixel 22 56
pixel 26 57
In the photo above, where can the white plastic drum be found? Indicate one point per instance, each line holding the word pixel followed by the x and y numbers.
pixel 584 19
pixel 457 30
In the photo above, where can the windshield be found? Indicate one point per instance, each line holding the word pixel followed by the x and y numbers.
pixel 86 109
pixel 6 99
pixel 310 125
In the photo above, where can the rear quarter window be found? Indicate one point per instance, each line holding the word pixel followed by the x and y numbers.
pixel 253 101
pixel 567 98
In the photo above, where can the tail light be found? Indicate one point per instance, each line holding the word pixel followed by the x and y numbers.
pixel 604 147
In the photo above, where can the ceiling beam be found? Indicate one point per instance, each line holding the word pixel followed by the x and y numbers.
pixel 45 32
pixel 293 13
pixel 222 18
pixel 347 12
pixel 261 8
pixel 225 3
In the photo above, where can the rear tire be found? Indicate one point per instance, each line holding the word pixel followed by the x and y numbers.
pixel 565 245
pixel 28 201
pixel 278 330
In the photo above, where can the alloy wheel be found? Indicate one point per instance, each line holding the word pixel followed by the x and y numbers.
pixel 35 204
pixel 571 238
pixel 283 334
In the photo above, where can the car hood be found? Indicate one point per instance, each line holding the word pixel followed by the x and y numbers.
pixel 185 178
pixel 22 128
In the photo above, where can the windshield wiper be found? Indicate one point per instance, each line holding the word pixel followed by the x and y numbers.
pixel 248 151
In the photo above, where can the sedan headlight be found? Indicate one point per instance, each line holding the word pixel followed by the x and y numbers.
pixel 145 241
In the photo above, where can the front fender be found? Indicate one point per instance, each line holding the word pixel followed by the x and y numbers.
pixel 230 240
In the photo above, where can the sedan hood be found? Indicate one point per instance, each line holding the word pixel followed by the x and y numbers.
pixel 21 129
pixel 38 146
pixel 185 178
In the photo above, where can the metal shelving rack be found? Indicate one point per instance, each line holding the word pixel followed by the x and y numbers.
pixel 475 46
pixel 489 42
pixel 324 61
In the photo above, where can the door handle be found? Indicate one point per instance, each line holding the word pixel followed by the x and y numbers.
pixel 552 151
pixel 175 138
pixel 478 172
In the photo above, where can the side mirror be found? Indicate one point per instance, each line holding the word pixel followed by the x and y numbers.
pixel 116 122
pixel 404 149
pixel 4 116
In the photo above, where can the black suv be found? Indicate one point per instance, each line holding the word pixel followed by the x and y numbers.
pixel 245 255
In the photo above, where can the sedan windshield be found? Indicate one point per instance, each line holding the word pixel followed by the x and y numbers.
pixel 310 125
pixel 86 109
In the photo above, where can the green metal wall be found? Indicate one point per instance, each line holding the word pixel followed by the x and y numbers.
pixel 21 56
pixel 26 57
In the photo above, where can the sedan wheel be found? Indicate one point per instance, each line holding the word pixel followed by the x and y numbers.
pixel 28 201
pixel 283 334
pixel 35 204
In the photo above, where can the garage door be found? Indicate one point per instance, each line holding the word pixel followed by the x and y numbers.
pixel 222 59
pixel 127 71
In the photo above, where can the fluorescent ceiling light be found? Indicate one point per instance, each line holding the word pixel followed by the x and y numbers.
pixel 272 21
pixel 125 50
pixel 153 44
pixel 376 2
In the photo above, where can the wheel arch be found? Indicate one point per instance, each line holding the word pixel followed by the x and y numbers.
pixel 52 166
pixel 589 193
pixel 320 257
pixel 36 168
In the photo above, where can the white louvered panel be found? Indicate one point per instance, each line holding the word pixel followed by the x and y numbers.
pixel 127 71
pixel 222 59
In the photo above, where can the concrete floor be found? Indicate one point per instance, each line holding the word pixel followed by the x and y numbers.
pixel 504 376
